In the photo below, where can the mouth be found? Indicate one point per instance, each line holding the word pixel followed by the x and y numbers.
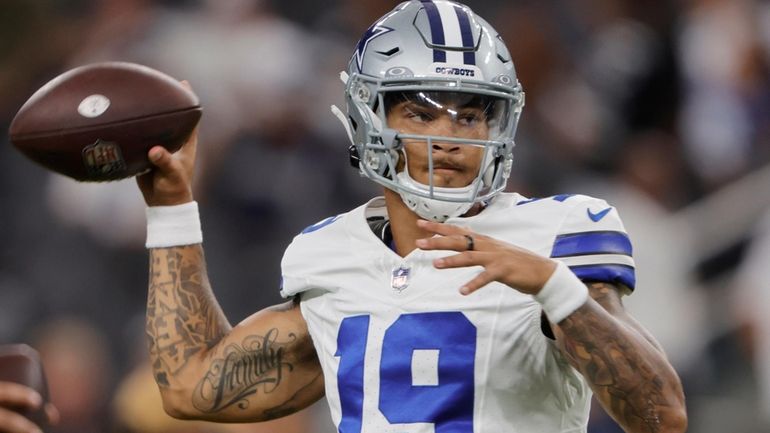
pixel 448 174
pixel 445 170
pixel 446 166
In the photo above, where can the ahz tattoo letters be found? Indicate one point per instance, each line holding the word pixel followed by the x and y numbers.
pixel 180 319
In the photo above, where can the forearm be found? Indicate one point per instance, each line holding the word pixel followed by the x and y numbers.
pixel 630 376
pixel 183 317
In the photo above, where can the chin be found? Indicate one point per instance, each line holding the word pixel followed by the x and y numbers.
pixel 449 183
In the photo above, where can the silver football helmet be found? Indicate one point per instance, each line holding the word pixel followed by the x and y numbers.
pixel 435 52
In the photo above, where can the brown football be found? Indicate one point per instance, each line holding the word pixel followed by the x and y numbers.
pixel 97 122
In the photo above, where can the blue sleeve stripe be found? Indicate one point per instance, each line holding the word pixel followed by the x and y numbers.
pixel 607 273
pixel 585 243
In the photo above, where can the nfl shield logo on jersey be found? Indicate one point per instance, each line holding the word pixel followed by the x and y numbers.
pixel 400 278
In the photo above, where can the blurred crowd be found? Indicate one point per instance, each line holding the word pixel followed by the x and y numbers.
pixel 660 106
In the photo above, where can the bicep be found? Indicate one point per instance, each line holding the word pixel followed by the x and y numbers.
pixel 266 367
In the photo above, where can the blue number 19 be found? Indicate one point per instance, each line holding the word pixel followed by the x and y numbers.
pixel 448 405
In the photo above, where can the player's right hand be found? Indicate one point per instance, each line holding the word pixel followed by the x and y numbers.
pixel 13 395
pixel 170 181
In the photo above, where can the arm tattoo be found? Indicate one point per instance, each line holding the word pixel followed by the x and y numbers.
pixel 630 376
pixel 257 364
pixel 183 317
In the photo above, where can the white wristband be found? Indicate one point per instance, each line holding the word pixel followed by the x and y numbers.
pixel 562 294
pixel 173 226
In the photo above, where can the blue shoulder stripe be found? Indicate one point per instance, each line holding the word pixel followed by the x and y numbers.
pixel 607 273
pixel 320 225
pixel 587 243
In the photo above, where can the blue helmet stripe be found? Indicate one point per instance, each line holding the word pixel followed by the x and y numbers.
pixel 469 57
pixel 436 30
pixel 607 273
pixel 585 243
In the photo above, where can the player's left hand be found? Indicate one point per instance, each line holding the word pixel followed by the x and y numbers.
pixel 516 267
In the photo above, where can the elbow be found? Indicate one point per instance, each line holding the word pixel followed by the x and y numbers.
pixel 677 422
pixel 176 412
pixel 177 406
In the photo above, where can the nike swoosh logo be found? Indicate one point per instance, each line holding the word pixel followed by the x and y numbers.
pixel 596 217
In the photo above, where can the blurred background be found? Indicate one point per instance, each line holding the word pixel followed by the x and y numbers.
pixel 660 106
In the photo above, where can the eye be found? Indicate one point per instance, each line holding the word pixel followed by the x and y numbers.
pixel 470 117
pixel 418 115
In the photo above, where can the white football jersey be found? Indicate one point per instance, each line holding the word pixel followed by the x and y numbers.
pixel 403 351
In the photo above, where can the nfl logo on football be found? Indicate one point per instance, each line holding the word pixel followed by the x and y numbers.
pixel 400 278
pixel 103 157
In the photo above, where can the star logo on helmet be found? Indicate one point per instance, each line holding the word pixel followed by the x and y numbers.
pixel 372 33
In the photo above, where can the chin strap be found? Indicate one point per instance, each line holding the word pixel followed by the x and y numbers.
pixel 431 208
pixel 341 116
pixel 344 77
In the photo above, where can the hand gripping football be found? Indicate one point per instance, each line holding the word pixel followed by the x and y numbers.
pixel 21 364
pixel 97 122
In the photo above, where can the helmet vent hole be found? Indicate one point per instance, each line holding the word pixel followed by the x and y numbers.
pixel 502 59
pixel 390 52
pixel 353 124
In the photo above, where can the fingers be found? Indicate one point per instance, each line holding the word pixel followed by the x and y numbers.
pixel 455 238
pixel 170 182
pixel 441 229
pixel 451 242
pixel 189 148
pixel 451 237
pixel 479 281
pixel 52 413
pixel 464 260
pixel 164 160
pixel 467 259
pixel 14 394
pixel 505 263
pixel 12 422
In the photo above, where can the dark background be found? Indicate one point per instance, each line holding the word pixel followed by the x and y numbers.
pixel 661 107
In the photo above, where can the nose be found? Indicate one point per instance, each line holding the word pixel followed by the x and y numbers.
pixel 446 147
pixel 444 126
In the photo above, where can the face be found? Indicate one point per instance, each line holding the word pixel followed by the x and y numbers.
pixel 454 164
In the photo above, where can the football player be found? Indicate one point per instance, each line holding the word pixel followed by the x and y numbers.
pixel 446 305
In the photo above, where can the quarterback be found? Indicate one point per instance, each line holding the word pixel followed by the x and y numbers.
pixel 446 305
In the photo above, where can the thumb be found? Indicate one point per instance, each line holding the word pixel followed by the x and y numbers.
pixel 160 157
